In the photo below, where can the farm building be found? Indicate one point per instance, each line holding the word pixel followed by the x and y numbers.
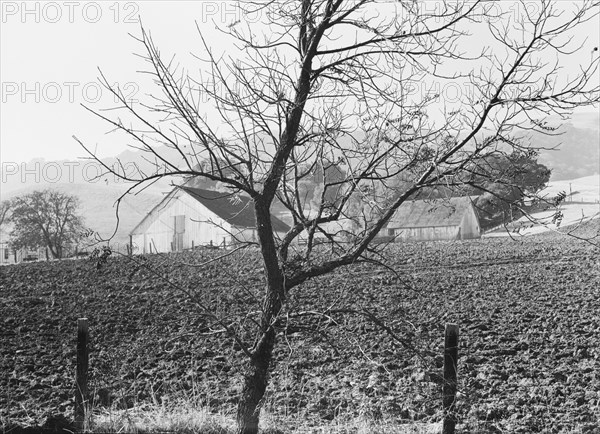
pixel 11 256
pixel 7 255
pixel 15 256
pixel 430 220
pixel 189 217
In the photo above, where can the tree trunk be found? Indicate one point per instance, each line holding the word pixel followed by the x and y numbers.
pixel 55 252
pixel 255 385
pixel 257 375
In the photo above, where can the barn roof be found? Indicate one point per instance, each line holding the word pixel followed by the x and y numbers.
pixel 234 209
pixel 431 213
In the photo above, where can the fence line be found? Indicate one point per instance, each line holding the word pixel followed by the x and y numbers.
pixel 82 399
pixel 450 381
pixel 81 374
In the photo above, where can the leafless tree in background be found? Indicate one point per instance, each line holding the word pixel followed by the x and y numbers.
pixel 337 84
pixel 45 218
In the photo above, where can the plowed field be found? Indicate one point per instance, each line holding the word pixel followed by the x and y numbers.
pixel 528 312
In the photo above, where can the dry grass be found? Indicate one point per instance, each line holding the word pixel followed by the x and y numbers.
pixel 160 418
pixel 191 417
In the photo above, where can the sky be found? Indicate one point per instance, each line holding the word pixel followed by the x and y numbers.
pixel 51 52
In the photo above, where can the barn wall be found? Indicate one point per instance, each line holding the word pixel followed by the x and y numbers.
pixel 340 230
pixel 342 227
pixel 469 226
pixel 6 255
pixel 245 234
pixel 157 233
pixel 427 234
pixel 16 257
pixel 248 235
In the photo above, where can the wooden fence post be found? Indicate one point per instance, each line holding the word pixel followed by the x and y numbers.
pixel 81 375
pixel 450 368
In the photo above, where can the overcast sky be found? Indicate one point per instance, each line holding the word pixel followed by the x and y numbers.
pixel 51 52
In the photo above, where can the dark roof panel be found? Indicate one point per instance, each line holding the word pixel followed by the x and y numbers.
pixel 235 209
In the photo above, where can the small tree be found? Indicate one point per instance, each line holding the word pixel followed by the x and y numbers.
pixel 332 83
pixel 45 219
pixel 504 182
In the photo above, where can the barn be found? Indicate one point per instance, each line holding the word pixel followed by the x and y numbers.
pixel 189 217
pixel 431 220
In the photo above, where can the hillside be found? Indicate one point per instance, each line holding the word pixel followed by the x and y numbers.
pixel 574 153
pixel 98 207
pixel 97 194
pixel 586 189
pixel 581 205
pixel 42 173
pixel 527 312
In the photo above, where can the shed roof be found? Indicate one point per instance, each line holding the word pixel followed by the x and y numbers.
pixel 234 209
pixel 431 213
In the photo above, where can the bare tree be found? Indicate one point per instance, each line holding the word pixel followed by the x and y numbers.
pixel 335 83
pixel 45 219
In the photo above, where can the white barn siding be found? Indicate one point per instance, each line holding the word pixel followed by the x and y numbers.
pixel 190 217
pixel 437 220
pixel 246 234
pixel 435 233
pixel 341 227
pixel 467 230
pixel 469 225
pixel 156 234
pixel 7 255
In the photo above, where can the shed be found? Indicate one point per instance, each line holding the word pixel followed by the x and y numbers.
pixel 187 217
pixel 430 220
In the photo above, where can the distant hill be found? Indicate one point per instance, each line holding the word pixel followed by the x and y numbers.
pixel 97 194
pixel 582 203
pixel 586 189
pixel 99 210
pixel 577 150
pixel 82 171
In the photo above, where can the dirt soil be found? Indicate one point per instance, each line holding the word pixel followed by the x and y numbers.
pixel 528 312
